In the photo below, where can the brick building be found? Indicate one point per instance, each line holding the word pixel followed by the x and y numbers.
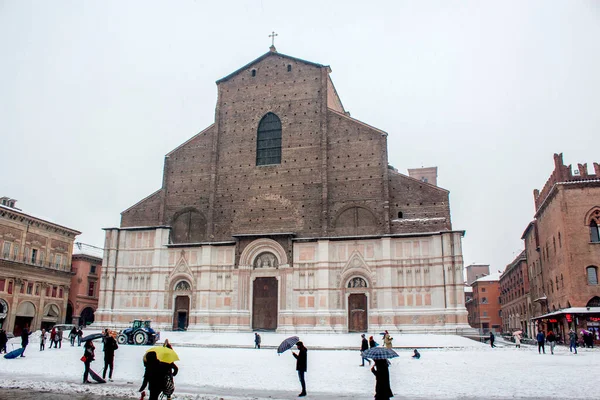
pixel 562 245
pixel 285 215
pixel 483 309
pixel 35 269
pixel 514 297
pixel 476 271
pixel 83 296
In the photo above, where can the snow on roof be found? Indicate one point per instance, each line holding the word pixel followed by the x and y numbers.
pixel 468 289
pixel 87 250
pixel 490 278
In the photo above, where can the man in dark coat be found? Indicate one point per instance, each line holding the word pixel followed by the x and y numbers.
pixel 257 340
pixel 3 341
pixel 110 345
pixel 155 376
pixel 24 340
pixel 541 340
pixel 364 346
pixel 301 366
pixel 382 380
pixel 492 338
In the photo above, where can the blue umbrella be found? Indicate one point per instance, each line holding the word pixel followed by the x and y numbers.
pixel 288 344
pixel 379 353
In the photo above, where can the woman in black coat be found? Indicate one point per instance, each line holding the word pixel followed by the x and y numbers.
pixel 301 366
pixel 155 375
pixel 382 380
pixel 88 353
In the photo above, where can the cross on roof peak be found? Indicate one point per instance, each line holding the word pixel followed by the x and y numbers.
pixel 272 36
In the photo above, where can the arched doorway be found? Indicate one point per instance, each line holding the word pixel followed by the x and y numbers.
pixel 181 313
pixel 357 305
pixel 86 317
pixel 50 317
pixel 25 315
pixel 264 304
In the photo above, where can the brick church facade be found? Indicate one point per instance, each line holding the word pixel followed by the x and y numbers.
pixel 285 215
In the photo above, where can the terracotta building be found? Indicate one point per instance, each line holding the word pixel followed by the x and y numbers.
pixel 484 308
pixel 35 269
pixel 514 296
pixel 562 245
pixel 83 296
pixel 285 215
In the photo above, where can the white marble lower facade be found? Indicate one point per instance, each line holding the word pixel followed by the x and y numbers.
pixel 409 283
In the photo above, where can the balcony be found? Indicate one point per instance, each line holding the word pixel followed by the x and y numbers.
pixel 35 263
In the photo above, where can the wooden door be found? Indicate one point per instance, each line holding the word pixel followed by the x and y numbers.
pixel 181 312
pixel 357 313
pixel 264 304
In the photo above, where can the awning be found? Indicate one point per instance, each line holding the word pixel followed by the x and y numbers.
pixel 571 310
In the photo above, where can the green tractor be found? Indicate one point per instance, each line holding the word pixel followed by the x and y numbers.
pixel 140 333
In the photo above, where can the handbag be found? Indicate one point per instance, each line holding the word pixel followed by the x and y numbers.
pixel 83 359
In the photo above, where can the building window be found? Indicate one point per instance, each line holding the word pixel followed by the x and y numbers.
pixel 594 232
pixel 53 291
pixel 15 251
pixel 483 290
pixel 400 215
pixel 58 260
pixel 592 275
pixel 253 72
pixel 289 67
pixel 33 255
pixel 2 284
pixel 6 251
pixel 60 293
pixel 485 314
pixel 484 300
pixel 92 269
pixel 37 290
pixel 30 288
pixel 91 289
pixel 10 287
pixel 268 141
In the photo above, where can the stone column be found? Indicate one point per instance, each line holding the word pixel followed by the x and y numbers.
pixel 43 287
pixel 18 282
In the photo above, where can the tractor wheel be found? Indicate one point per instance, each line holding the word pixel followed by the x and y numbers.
pixel 122 339
pixel 140 337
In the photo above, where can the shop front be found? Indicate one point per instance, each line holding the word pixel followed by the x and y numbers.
pixel 579 319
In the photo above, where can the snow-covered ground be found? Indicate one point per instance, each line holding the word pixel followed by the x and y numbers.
pixel 457 368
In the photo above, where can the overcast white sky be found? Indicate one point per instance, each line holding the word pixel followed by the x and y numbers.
pixel 93 94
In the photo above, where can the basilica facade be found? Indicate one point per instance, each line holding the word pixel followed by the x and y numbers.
pixel 284 215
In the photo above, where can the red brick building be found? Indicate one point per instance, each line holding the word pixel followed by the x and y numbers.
pixel 484 307
pixel 83 296
pixel 562 245
pixel 35 269
pixel 514 296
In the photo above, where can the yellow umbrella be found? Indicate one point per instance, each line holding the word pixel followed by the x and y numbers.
pixel 163 354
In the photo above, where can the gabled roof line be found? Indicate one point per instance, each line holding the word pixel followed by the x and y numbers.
pixel 141 201
pixel 189 140
pixel 267 54
pixel 357 121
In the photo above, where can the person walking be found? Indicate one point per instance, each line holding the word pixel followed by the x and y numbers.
pixel 52 336
pixel 58 338
pixel 257 340
pixel 155 376
pixel 382 380
pixel 43 340
pixel 301 366
pixel 110 345
pixel 372 342
pixel 72 336
pixel 517 341
pixel 88 357
pixel 551 339
pixel 3 341
pixel 79 336
pixel 364 346
pixel 492 339
pixel 572 341
pixel 24 340
pixel 387 340
pixel 541 339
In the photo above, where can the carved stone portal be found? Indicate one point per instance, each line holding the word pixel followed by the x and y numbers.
pixel 266 260
pixel 357 283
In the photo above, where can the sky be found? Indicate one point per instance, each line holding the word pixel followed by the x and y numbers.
pixel 93 95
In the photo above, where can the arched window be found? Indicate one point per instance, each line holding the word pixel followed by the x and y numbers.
pixel 594 232
pixel 592 275
pixel 594 302
pixel 268 141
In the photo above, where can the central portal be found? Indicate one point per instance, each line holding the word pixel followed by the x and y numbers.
pixel 357 313
pixel 264 304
